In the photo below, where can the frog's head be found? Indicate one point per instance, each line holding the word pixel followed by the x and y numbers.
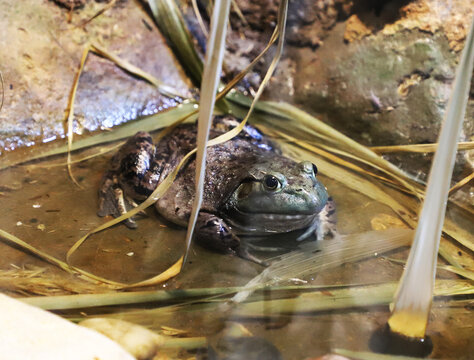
pixel 277 196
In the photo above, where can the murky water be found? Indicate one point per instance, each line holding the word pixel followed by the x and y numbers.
pixel 42 206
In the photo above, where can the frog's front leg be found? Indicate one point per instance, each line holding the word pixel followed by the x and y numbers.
pixel 131 175
pixel 112 200
pixel 324 225
pixel 213 233
pixel 327 221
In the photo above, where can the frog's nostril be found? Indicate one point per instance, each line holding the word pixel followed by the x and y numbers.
pixel 306 167
pixel 299 190
pixel 315 170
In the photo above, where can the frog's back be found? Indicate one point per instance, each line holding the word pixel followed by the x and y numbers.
pixel 226 167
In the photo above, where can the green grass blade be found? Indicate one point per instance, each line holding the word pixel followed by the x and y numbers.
pixel 346 298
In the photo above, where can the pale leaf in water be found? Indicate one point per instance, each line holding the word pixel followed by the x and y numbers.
pixel 314 257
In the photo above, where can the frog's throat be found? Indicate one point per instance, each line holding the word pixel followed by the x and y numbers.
pixel 268 223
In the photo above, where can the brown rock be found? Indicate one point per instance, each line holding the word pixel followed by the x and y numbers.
pixel 355 29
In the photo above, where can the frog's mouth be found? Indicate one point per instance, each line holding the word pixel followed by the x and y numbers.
pixel 268 223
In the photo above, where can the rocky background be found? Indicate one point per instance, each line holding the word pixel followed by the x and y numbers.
pixel 379 71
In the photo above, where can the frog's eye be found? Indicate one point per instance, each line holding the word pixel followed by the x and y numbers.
pixel 271 182
pixel 315 170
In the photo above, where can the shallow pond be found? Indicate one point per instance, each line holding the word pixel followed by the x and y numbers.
pixel 42 206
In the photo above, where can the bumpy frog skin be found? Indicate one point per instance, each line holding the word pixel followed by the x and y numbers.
pixel 250 188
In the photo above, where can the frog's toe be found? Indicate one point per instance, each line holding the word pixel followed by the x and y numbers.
pixel 243 253
pixel 107 196
pixel 112 202
pixel 324 225
pixel 312 229
pixel 130 223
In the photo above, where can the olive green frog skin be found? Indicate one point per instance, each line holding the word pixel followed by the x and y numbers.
pixel 250 187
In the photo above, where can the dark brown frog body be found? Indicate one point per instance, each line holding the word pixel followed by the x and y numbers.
pixel 250 188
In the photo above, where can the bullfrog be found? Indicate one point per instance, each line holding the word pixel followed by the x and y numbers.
pixel 250 187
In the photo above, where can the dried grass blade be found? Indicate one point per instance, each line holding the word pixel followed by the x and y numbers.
pixel 460 235
pixel 237 10
pixel 468 274
pixel 157 193
pixel 418 148
pixel 39 282
pixel 108 6
pixel 280 33
pixel 211 78
pixel 461 183
pixel 167 274
pixel 70 117
pixel 51 259
pixel 249 67
pixel 134 70
pixel 199 18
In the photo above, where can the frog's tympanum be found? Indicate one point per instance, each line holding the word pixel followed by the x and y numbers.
pixel 250 187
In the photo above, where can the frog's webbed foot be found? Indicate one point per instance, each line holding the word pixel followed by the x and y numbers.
pixel 324 225
pixel 213 233
pixel 112 201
